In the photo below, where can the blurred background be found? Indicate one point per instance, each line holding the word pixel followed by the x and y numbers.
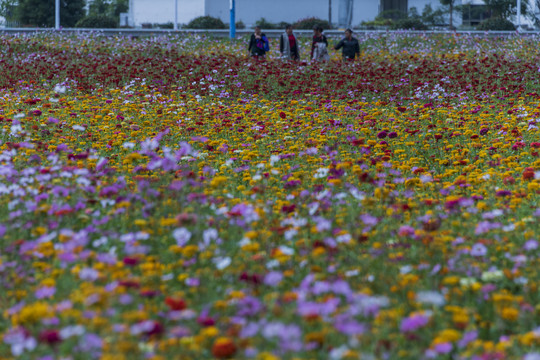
pixel 274 14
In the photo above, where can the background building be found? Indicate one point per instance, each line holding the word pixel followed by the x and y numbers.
pixel 343 12
pixel 249 11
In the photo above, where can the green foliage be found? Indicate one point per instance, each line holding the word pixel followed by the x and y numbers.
pixel 265 24
pixel 240 25
pixel 409 24
pixel 392 15
pixel 432 17
pixel 97 22
pixel 309 23
pixel 206 22
pixel 111 8
pixel 8 9
pixel 505 8
pixel 40 13
pixel 167 25
pixel 395 19
pixel 496 24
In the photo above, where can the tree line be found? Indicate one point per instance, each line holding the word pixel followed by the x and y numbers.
pixel 73 13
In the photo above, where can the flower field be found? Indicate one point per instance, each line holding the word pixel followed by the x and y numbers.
pixel 170 198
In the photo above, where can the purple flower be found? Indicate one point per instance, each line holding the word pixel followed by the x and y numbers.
pixel 45 292
pixel 250 330
pixel 382 134
pixel 90 342
pixel 2 230
pixel 443 348
pixel 478 250
pixel 530 245
pixel 414 322
pixel 192 282
pixel 485 226
pixel 249 306
pixel 350 327
pixel 273 278
pixel 88 274
pixel 322 223
pixel 467 338
pixel 369 219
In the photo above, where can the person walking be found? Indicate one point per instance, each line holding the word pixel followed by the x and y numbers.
pixel 349 45
pixel 258 44
pixel 288 45
pixel 319 51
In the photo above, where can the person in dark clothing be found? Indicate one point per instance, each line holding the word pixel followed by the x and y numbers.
pixel 350 46
pixel 288 45
pixel 318 38
pixel 258 44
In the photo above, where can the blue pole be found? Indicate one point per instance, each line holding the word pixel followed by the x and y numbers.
pixel 232 25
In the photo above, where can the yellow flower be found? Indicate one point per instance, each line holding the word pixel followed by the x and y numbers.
pixel 33 313
pixel 509 314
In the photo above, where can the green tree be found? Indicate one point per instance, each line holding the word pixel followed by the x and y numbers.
pixel 432 17
pixel 41 13
pixel 111 8
pixel 450 6
pixel 7 9
pixel 503 9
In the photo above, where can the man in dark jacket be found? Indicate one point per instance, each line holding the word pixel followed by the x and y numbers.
pixel 258 44
pixel 350 46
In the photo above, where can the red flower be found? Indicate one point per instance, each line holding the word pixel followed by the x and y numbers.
pixel 50 337
pixel 528 174
pixel 282 115
pixel 130 261
pixel 175 304
pixel 223 348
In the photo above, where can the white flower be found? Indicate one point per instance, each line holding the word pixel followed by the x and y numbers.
pixel 274 159
pixel 431 298
pixel 338 353
pixel 78 127
pixel 128 145
pixel 69 331
pixel 60 89
pixel 286 250
pixel 289 234
pixel 182 236
pixel 494 275
pixel 209 235
pixel 244 241
pixel 222 263
pixel 321 173
pixel 345 238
